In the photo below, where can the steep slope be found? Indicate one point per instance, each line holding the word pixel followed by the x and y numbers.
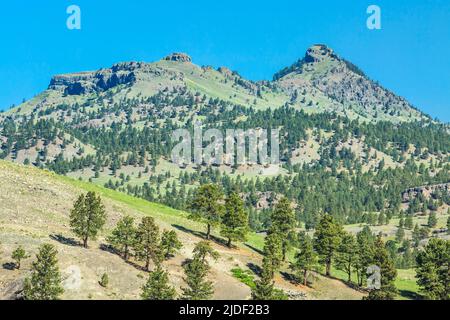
pixel 348 89
pixel 35 206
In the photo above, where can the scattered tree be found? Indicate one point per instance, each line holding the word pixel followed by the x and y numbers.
pixel 87 217
pixel 45 280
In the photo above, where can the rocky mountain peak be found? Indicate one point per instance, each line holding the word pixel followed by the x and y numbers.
pixel 318 53
pixel 179 57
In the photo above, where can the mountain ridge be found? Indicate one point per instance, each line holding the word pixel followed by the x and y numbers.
pixel 321 81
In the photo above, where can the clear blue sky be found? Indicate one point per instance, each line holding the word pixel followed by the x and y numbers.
pixel 410 55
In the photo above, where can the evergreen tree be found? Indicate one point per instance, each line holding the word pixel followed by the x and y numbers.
pixel 432 219
pixel 203 250
pixel 273 253
pixel 283 222
pixel 235 219
pixel 170 243
pixel 305 258
pixel 87 217
pixel 18 255
pixel 206 206
pixel 433 270
pixel 264 287
pixel 45 280
pixel 346 254
pixel 146 246
pixel 364 253
pixel 158 287
pixel 409 224
pixel 122 238
pixel 388 273
pixel 399 235
pixel 326 240
pixel 198 287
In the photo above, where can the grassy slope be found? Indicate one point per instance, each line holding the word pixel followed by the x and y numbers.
pixel 169 216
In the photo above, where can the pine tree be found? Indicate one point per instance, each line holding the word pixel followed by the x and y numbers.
pixel 198 287
pixel 326 240
pixel 87 217
pixel 305 259
pixel 399 235
pixel 273 252
pixel 409 224
pixel 432 219
pixel 203 250
pixel 283 222
pixel 364 253
pixel 122 238
pixel 264 287
pixel 346 254
pixel 206 206
pixel 433 270
pixel 147 245
pixel 235 219
pixel 45 280
pixel 18 255
pixel 157 286
pixel 170 243
pixel 388 273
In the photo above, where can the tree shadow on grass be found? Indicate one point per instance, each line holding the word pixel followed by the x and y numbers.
pixel 65 240
pixel 202 235
pixel 254 268
pixel 112 250
pixel 409 294
pixel 9 266
pixel 254 249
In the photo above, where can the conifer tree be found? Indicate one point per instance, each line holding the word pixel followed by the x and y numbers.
pixel 234 220
pixel 170 243
pixel 123 237
pixel 305 259
pixel 198 287
pixel 283 222
pixel 346 254
pixel 45 280
pixel 326 240
pixel 157 286
pixel 433 270
pixel 364 253
pixel 388 273
pixel 264 287
pixel 206 206
pixel 273 252
pixel 432 219
pixel 18 255
pixel 147 245
pixel 87 217
pixel 399 235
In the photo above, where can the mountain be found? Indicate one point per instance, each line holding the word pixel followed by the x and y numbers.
pixel 319 82
pixel 349 148
pixel 340 132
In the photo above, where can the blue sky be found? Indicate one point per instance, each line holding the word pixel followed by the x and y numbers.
pixel 410 55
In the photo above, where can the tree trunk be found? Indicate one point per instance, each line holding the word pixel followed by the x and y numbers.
pixel 328 269
pixel 125 254
pixel 147 264
pixel 85 242
pixel 229 243
pixel 208 232
pixel 305 281
pixel 284 252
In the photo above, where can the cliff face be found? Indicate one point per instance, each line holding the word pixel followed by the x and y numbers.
pixel 426 191
pixel 98 81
